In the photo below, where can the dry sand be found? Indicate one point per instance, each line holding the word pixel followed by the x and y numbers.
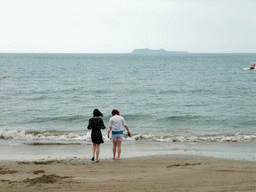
pixel 156 173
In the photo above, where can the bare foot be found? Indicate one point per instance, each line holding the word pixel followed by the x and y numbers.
pixel 97 160
pixel 114 158
pixel 118 158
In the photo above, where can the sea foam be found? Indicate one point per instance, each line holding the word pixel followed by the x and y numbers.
pixel 67 137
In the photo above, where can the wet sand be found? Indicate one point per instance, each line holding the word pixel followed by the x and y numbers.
pixel 154 173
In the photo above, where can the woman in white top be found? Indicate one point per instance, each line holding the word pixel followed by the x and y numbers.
pixel 117 125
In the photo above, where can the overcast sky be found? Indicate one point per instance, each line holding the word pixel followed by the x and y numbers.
pixel 120 26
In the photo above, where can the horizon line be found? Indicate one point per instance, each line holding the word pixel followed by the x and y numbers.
pixel 179 52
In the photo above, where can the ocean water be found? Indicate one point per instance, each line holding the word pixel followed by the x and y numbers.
pixel 49 98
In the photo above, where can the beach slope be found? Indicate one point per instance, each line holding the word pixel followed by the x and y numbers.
pixel 155 173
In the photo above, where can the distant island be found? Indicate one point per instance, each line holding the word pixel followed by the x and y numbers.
pixel 160 51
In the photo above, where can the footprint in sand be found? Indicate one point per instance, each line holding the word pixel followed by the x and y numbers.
pixel 38 171
pixel 186 164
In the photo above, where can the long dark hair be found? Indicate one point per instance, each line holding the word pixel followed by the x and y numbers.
pixel 97 113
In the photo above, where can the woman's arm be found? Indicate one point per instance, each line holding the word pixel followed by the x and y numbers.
pixel 126 127
pixel 109 131
pixel 89 125
pixel 102 125
pixel 110 126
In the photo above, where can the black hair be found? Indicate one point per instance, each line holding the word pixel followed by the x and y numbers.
pixel 97 113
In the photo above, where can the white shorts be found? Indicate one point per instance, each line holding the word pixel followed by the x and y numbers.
pixel 117 137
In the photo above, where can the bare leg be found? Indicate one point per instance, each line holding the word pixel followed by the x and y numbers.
pixel 93 149
pixel 114 149
pixel 97 152
pixel 119 149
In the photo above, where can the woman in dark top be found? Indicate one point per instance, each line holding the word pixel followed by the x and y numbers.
pixel 96 124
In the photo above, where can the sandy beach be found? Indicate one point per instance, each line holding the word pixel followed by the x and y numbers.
pixel 153 173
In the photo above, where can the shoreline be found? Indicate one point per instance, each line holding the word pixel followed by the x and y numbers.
pixel 235 151
pixel 149 173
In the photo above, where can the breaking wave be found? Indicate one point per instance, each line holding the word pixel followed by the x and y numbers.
pixel 50 137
